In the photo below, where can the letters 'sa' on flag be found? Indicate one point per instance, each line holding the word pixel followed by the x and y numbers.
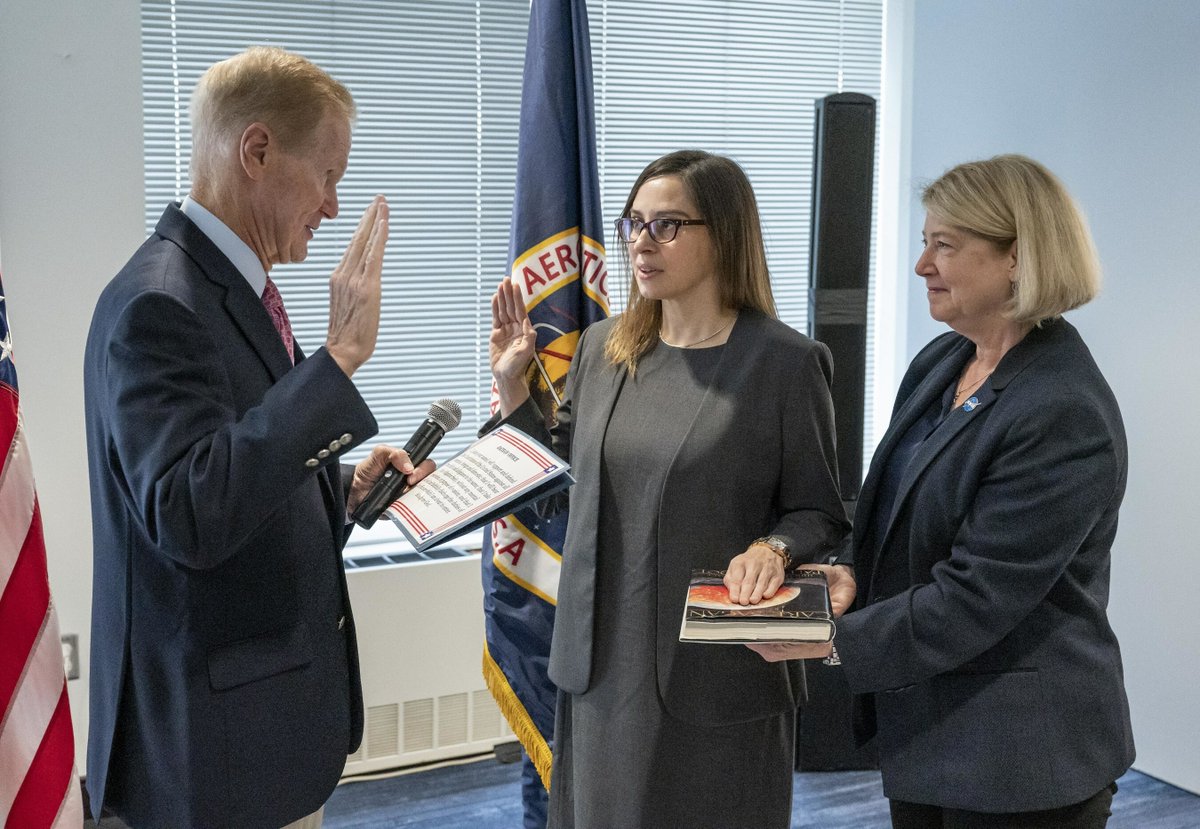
pixel 557 254
pixel 38 784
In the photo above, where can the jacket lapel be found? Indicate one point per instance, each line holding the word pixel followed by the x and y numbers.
pixel 245 309
pixel 954 423
pixel 930 388
pixel 255 323
pixel 597 412
pixel 935 384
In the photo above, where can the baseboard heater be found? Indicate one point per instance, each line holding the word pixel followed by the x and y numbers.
pixel 420 641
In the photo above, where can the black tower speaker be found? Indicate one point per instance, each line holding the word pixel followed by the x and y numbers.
pixel 839 262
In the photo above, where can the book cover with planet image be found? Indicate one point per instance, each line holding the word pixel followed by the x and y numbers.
pixel 798 612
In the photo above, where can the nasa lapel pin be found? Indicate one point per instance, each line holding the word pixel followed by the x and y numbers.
pixel 971 403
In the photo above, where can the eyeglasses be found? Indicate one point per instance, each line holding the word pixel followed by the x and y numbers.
pixel 661 230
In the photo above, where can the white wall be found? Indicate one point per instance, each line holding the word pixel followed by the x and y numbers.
pixel 1107 94
pixel 70 215
pixel 1103 91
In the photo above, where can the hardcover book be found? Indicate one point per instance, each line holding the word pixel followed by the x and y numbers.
pixel 798 612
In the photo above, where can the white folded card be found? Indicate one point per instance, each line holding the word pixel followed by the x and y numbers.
pixel 496 475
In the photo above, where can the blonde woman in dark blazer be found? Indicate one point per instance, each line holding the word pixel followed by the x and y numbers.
pixel 981 646
pixel 700 431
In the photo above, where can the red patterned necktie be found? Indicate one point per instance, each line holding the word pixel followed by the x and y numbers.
pixel 273 302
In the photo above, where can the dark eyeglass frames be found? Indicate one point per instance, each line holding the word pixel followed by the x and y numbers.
pixel 660 230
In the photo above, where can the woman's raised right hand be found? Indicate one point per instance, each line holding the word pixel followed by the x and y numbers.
pixel 511 345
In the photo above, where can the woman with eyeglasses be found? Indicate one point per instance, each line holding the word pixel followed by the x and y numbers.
pixel 700 432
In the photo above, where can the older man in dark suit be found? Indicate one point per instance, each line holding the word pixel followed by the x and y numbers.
pixel 225 687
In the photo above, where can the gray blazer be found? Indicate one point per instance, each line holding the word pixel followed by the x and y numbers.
pixel 996 678
pixel 757 459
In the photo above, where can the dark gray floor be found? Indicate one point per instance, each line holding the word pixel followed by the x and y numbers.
pixel 485 795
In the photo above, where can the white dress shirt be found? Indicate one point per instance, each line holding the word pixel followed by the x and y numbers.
pixel 228 242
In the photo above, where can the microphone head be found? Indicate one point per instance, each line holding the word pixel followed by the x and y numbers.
pixel 445 413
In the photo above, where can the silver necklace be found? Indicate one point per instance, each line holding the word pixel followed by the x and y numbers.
pixel 697 342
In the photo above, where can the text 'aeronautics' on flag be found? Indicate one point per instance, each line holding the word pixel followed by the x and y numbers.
pixel 559 260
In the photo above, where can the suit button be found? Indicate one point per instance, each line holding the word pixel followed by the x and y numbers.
pixel 312 463
pixel 341 622
pixel 323 454
pixel 345 439
pixel 334 446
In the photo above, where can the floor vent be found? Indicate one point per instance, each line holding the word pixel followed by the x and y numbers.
pixel 486 720
pixel 420 643
pixel 383 731
pixel 452 720
pixel 418 725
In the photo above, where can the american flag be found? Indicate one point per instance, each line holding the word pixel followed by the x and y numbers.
pixel 38 784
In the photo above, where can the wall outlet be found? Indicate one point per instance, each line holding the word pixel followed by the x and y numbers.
pixel 70 653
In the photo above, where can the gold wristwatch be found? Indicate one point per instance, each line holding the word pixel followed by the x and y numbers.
pixel 778 546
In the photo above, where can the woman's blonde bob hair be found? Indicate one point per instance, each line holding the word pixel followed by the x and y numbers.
pixel 725 200
pixel 1013 199
pixel 288 93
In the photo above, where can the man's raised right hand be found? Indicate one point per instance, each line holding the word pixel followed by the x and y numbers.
pixel 355 291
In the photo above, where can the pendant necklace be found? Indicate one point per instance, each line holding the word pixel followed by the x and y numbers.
pixel 963 390
pixel 697 342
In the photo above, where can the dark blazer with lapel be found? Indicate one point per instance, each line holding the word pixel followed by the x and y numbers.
pixel 224 680
pixel 758 458
pixel 996 677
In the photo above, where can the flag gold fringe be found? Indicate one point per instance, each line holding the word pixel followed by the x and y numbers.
pixel 519 721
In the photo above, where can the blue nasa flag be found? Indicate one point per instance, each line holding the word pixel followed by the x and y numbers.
pixel 557 254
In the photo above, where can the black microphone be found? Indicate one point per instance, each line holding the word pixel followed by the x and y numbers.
pixel 443 416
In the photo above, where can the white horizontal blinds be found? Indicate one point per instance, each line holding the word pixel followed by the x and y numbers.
pixel 438 87
pixel 739 79
pixel 438 91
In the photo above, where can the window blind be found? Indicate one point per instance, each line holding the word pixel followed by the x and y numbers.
pixel 739 79
pixel 438 87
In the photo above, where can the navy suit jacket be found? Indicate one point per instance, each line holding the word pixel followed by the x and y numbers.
pixel 757 459
pixel 224 680
pixel 995 678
